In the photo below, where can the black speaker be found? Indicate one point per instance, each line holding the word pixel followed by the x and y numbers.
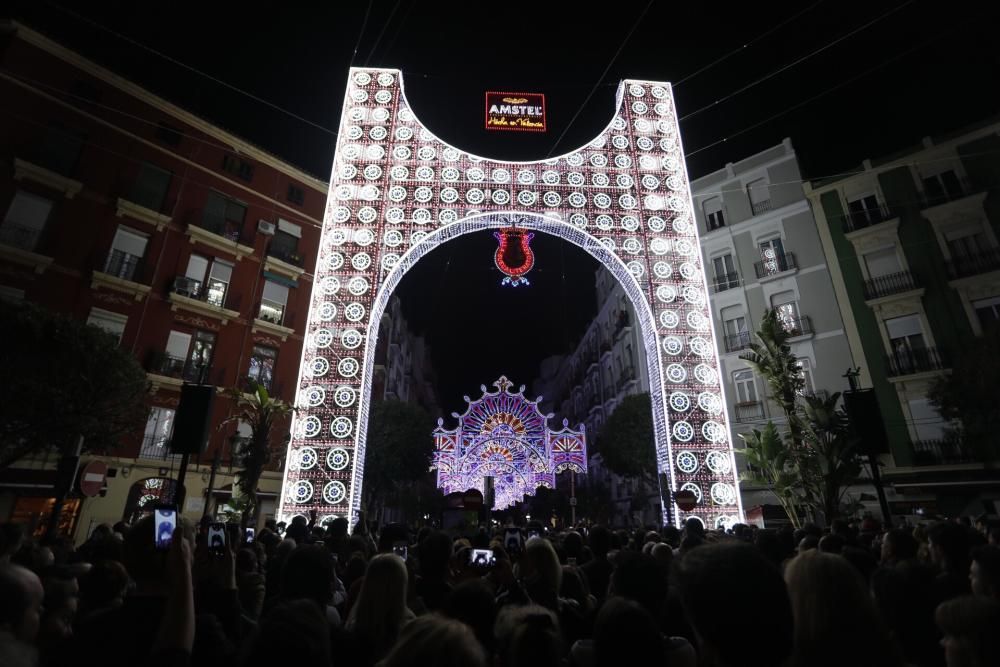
pixel 862 407
pixel 194 415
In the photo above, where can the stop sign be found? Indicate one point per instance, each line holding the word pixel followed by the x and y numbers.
pixel 92 478
pixel 686 500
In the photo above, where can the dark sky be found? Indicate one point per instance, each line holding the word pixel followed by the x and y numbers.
pixel 925 68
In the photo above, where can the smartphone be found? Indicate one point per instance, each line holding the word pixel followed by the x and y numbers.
pixel 217 537
pixel 399 548
pixel 482 558
pixel 512 541
pixel 251 532
pixel 533 533
pixel 164 524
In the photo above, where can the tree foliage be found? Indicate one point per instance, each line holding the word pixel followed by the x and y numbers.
pixel 829 462
pixel 626 442
pixel 65 379
pixel 771 465
pixel 267 419
pixel 398 448
pixel 771 356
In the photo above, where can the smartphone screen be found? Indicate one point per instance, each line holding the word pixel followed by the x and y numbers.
pixel 533 533
pixel 250 535
pixel 217 537
pixel 399 548
pixel 482 558
pixel 164 523
pixel 512 540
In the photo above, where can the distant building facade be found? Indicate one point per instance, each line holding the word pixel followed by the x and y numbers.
pixel 403 367
pixel 189 244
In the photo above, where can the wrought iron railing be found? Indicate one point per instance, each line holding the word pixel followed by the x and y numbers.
pixel 775 265
pixel 287 255
pixel 970 265
pixel 737 341
pixel 156 447
pixel 749 411
pixel 855 220
pixel 221 227
pixel 19 236
pixel 921 360
pixel 945 195
pixel 942 452
pixel 894 283
pixel 271 311
pixel 798 326
pixel 214 292
pixel 760 206
pixel 726 281
pixel 123 265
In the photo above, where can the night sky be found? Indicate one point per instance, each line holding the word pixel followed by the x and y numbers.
pixel 921 68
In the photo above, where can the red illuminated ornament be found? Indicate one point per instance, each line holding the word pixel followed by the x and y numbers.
pixel 514 256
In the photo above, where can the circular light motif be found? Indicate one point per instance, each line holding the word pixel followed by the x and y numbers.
pixel 378 133
pixel 552 199
pixel 389 260
pixel 656 223
pixel 397 193
pixel 599 160
pixel 701 346
pixel 666 293
pixel 393 237
pixel 301 492
pixel 421 216
pixel 713 431
pixel 338 236
pixel 451 154
pixel 368 193
pixel 501 197
pixel 319 367
pixel 350 339
pixel 577 200
pixel 683 431
pixel 357 114
pixel 380 115
pixel 574 160
pixel 627 201
pixel 450 174
pixel 635 268
pixel 600 180
pixel 693 488
pixel 402 152
pixel 426 153
pixel 599 142
pixel 337 458
pixel 659 92
pixel 672 345
pixel 630 223
pixel 425 173
pixel 676 373
pixel 426 135
pixel 632 246
pixel 351 152
pixel 344 396
pixel 500 175
pixel 723 494
pixel 618 124
pixel 348 171
pixel 327 311
pixel 659 246
pixel 344 192
pixel 354 132
pixel 697 321
pixel 602 200
pixel 334 492
pixel 374 153
pixel 417 237
pixel 323 337
pixel 679 401
pixel 705 374
pixel 689 270
pixel 710 402
pixel 447 215
pixel 662 269
pixel 526 177
pixel 383 97
pixel 607 242
pixel 385 79
pixel 605 222
pixel 348 367
pixel 341 427
pixel 474 196
pixel 687 462
pixel 475 174
pixel 671 164
pixel 725 522
pixel 361 261
pixel 330 285
pixel 399 173
pixel 578 220
pixel 359 95
pixel 575 178
pixel 355 312
pixel 550 177
pixel 682 225
pixel 624 181
pixel 650 182
pixel 404 133
pixel 647 162
pixel 644 143
pixel 423 194
pixel 684 247
pixel 367 215
pixel 526 197
pixel 623 161
pixel 311 426
pixel 669 319
pixel 718 462
pixel 314 395
pixel 357 285
pixel 619 142
pixel 635 90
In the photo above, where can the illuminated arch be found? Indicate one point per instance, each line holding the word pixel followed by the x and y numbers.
pixel 397 191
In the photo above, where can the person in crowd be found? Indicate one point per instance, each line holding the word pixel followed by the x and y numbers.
pixel 970 625
pixel 436 641
pixel 250 582
pixel 104 587
pixel 574 587
pixel 380 612
pixel 830 601
pixel 528 636
pixel 433 585
pixel 898 545
pixel 21 600
pixel 948 545
pixel 737 604
pixel 984 573
pixel 598 569
pixel 292 632
pixel 472 603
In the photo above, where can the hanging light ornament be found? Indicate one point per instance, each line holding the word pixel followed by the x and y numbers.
pixel 514 256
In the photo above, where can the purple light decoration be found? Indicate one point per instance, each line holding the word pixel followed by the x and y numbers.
pixel 504 435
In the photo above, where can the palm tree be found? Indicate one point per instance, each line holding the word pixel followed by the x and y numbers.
pixel 829 460
pixel 771 465
pixel 772 357
pixel 262 413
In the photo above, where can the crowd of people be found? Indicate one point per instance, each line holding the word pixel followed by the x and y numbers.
pixel 850 594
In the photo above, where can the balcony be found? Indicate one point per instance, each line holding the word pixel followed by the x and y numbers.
pixel 971 265
pixel 725 282
pixel 284 261
pixel 798 326
pixel 170 372
pixel 156 447
pixel 949 451
pixel 737 341
pixel 204 299
pixel 773 266
pixel 25 170
pixel 270 318
pixel 894 283
pixel 129 209
pixel 221 235
pixel 123 273
pixel 857 220
pixel 760 207
pixel 750 411
pixel 944 193
pixel 18 244
pixel 910 362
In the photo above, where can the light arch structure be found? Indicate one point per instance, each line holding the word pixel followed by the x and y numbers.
pixel 397 191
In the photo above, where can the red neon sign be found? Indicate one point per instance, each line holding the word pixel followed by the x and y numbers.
pixel 520 112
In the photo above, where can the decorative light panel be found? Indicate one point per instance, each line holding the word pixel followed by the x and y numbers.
pixel 397 192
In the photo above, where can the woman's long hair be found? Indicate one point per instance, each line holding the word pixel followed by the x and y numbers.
pixel 380 611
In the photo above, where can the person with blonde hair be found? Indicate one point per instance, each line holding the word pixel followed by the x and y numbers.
pixel 836 621
pixel 380 612
pixel 435 641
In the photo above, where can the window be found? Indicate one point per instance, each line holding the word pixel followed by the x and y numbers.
pixel 285 244
pixel 746 389
pixel 168 134
pixel 272 305
pixel 127 251
pixel 906 341
pixel 725 273
pixel 214 289
pixel 237 167
pixel 884 262
pixel 967 244
pixel 150 187
pixel 262 363
pixel 805 372
pixel 713 213
pixel 926 420
pixel 187 355
pixel 159 429
pixel 296 194
pixel 60 150
pixel 224 216
pixel 113 323
pixel 760 197
pixel 988 312
pixel 735 326
pixel 787 309
pixel 942 187
pixel 22 226
pixel 773 258
pixel 865 209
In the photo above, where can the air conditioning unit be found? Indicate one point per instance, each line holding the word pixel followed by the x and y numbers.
pixel 265 227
